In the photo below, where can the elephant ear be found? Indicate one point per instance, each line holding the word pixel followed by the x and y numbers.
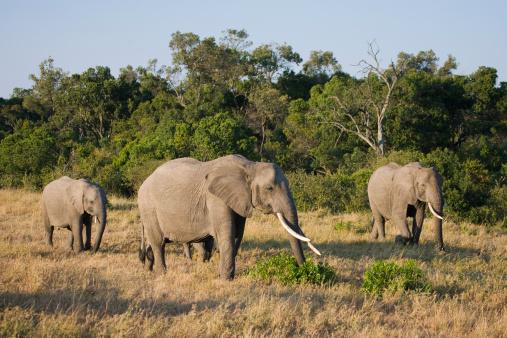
pixel 404 181
pixel 231 186
pixel 75 191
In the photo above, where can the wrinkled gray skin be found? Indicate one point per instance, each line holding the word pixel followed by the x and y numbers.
pixel 72 204
pixel 397 192
pixel 186 200
pixel 205 249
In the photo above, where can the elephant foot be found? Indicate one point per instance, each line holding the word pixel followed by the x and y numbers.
pixel 227 277
pixel 413 241
pixel 401 240
pixel 159 269
pixel 148 266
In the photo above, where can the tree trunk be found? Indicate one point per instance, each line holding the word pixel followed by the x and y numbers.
pixel 380 140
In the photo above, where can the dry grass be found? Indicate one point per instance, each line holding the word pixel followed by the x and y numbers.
pixel 46 292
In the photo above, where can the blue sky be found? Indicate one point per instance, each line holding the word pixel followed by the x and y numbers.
pixel 82 34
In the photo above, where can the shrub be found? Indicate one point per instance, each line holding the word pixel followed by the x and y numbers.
pixel 312 192
pixel 25 155
pixel 359 193
pixel 388 276
pixel 284 269
pixel 221 135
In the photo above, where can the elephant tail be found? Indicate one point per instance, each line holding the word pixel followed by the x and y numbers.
pixel 142 248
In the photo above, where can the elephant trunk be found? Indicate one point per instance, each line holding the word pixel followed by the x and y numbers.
pixel 290 214
pixel 102 218
pixel 435 204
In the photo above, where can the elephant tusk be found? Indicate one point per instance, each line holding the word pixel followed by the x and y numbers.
pixel 289 230
pixel 434 212
pixel 95 219
pixel 314 249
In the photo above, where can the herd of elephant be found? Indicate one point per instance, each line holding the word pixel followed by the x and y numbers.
pixel 203 203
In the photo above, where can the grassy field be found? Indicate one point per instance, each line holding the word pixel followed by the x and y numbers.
pixel 50 292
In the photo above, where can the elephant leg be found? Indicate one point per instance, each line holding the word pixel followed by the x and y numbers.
pixel 208 249
pixel 226 244
pixel 378 229
pixel 403 233
pixel 159 257
pixel 186 251
pixel 240 230
pixel 77 233
pixel 148 264
pixel 47 227
pixel 204 249
pixel 70 239
pixel 157 243
pixel 417 223
pixel 88 232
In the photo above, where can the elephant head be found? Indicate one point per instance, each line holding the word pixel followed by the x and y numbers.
pixel 262 186
pixel 427 187
pixel 89 198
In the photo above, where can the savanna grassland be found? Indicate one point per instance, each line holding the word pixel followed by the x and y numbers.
pixel 50 292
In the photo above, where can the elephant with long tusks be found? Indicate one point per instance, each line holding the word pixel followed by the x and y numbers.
pixel 185 200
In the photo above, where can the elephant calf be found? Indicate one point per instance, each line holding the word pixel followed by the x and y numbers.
pixel 205 249
pixel 69 203
pixel 397 192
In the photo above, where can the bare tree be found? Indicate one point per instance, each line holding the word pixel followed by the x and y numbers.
pixel 362 108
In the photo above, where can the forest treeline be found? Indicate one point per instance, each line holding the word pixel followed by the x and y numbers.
pixel 326 128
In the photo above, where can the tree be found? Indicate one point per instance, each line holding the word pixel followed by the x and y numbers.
pixel 321 65
pixel 208 65
pixel 266 111
pixel 221 135
pixel 27 153
pixel 89 102
pixel 270 61
pixel 359 107
pixel 12 115
pixel 41 100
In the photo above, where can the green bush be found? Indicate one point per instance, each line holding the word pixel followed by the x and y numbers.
pixel 284 269
pixel 313 192
pixel 26 155
pixel 388 276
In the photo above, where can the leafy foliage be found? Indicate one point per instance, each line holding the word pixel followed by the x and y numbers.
pixel 284 269
pixel 384 276
pixel 223 96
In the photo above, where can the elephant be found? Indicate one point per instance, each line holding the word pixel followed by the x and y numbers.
pixel 69 203
pixel 396 192
pixel 205 249
pixel 186 200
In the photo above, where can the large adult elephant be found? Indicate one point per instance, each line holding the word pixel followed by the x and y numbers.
pixel 70 204
pixel 397 192
pixel 185 200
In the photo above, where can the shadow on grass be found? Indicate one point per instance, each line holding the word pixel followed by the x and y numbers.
pixel 106 303
pixel 452 290
pixel 372 249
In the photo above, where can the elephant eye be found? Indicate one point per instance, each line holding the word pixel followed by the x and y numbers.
pixel 269 188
